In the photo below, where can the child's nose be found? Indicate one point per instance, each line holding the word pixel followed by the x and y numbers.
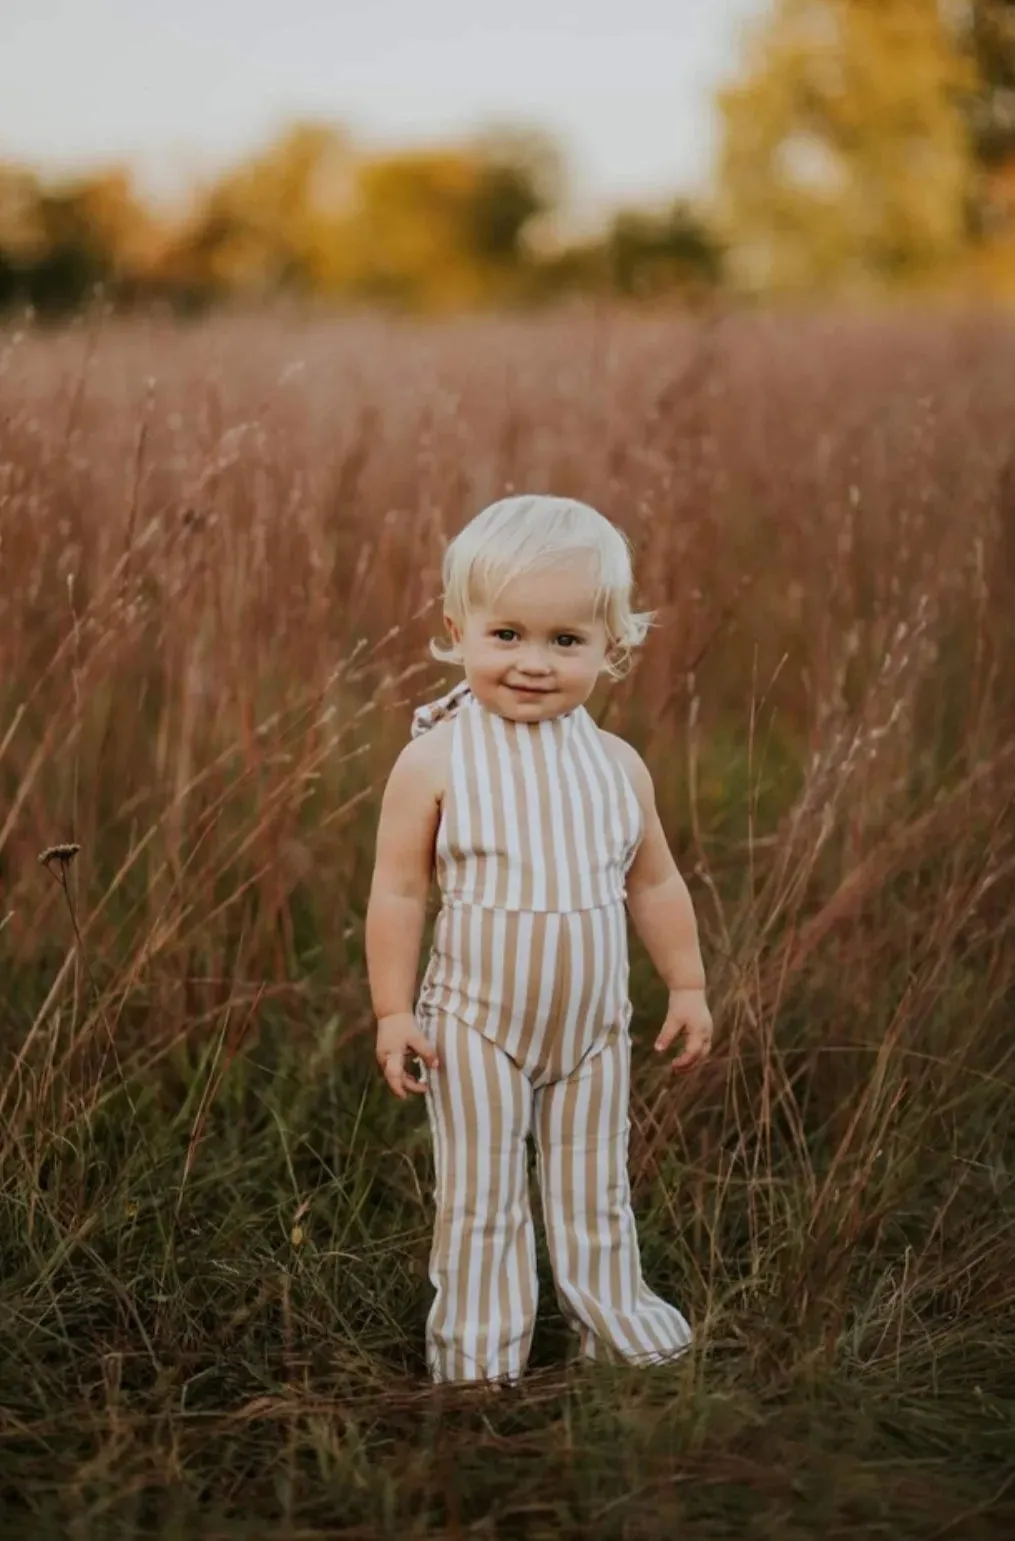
pixel 533 661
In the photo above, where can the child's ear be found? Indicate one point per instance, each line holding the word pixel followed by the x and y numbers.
pixel 454 631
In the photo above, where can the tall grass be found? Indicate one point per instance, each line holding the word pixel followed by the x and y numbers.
pixel 219 554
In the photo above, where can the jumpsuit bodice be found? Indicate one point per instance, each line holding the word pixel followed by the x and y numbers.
pixel 537 817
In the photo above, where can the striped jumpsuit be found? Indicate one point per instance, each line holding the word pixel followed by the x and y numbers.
pixel 525 1000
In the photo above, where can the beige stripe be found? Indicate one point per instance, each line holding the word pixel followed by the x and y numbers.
pixel 517 839
pixel 515 969
pixel 536 999
pixel 487 1013
pixel 577 821
pixel 587 1028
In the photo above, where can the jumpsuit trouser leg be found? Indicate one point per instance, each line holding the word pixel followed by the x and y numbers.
pixel 483 1256
pixel 581 1128
pixel 483 1262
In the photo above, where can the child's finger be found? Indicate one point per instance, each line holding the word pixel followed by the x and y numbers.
pixel 670 1028
pixel 427 1053
pixel 694 1050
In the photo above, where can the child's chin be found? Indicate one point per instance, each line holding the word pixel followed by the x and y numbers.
pixel 530 708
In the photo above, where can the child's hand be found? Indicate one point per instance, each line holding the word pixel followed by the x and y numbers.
pixel 688 1013
pixel 398 1038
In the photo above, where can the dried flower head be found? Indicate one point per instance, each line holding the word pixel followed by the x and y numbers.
pixel 62 854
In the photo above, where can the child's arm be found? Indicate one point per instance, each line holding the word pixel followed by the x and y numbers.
pixel 663 915
pixel 396 912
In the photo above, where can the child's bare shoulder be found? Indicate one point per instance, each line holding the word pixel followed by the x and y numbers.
pixel 423 763
pixel 628 758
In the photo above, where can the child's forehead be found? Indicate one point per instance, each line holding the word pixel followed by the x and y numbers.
pixel 549 593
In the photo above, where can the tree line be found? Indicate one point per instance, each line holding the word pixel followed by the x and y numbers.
pixel 865 145
pixel 309 216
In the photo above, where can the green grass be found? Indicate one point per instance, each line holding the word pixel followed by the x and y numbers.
pixel 214 1291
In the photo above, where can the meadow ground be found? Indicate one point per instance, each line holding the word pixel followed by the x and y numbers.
pixel 219 553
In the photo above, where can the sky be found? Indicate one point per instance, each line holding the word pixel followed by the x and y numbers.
pixel 179 88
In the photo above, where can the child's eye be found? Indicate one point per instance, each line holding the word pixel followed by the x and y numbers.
pixel 506 634
pixel 566 639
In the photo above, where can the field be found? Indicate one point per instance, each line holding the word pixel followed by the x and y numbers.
pixel 219 555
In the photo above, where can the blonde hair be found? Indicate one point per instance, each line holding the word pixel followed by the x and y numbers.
pixel 528 534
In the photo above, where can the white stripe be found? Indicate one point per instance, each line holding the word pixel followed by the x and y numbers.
pixel 516 1213
pixel 614 1311
pixel 440 1149
pixel 579 778
pixel 630 1270
pixel 550 734
pixel 475 1314
pixel 635 818
pixel 537 839
pixel 583 1103
pixel 486 835
pixel 599 965
pixel 460 1154
pixel 598 849
pixel 446 868
pixel 462 833
pixel 501 1261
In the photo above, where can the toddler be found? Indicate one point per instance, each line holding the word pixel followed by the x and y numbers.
pixel 539 826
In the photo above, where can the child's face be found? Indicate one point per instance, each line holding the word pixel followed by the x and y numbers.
pixel 537 650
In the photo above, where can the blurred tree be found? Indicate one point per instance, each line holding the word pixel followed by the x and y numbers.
pixel 275 222
pixel 431 228
pixel 439 228
pixel 443 228
pixel 414 230
pixel 21 233
pixel 521 178
pixel 989 27
pixel 57 244
pixel 845 156
pixel 653 254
